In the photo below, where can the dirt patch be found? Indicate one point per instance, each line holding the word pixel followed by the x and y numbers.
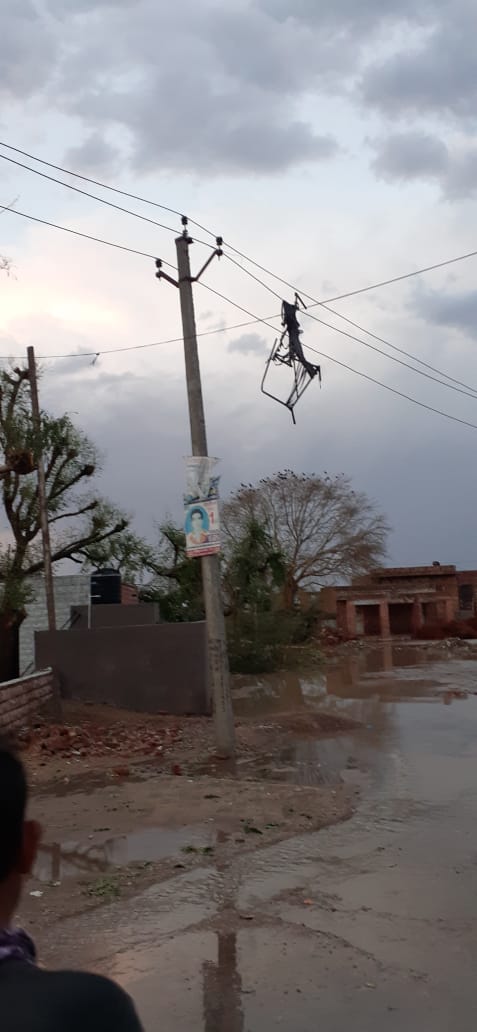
pixel 151 800
pixel 168 825
pixel 104 744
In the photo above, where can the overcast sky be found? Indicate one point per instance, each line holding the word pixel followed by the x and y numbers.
pixel 333 141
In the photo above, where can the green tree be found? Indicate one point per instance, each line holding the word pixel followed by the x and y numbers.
pixel 254 569
pixel 80 520
pixel 323 528
pixel 129 554
pixel 177 582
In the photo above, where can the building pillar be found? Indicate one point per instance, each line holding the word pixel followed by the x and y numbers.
pixel 384 620
pixel 450 610
pixel 417 616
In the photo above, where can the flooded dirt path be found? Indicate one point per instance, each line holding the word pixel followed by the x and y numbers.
pixel 367 925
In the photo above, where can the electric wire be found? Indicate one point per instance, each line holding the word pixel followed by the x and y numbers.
pixel 264 321
pixel 351 369
pixel 104 186
pixel 241 254
pixel 362 329
pixel 393 390
pixel 85 236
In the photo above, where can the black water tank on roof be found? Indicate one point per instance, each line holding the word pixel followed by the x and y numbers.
pixel 106 587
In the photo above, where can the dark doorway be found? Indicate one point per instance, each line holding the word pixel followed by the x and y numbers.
pixel 371 621
pixel 400 617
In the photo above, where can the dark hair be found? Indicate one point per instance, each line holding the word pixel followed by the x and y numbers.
pixel 13 798
pixel 198 512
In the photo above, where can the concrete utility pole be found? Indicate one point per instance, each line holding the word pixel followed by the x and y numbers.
pixel 45 529
pixel 214 610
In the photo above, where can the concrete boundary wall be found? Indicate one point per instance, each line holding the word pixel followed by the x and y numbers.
pixel 159 668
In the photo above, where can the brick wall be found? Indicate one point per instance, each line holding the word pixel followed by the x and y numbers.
pixel 70 590
pixel 25 698
pixel 129 595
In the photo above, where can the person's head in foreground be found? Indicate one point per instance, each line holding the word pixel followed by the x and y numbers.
pixel 32 998
pixel 19 838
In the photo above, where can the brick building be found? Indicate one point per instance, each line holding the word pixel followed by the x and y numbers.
pixel 402 600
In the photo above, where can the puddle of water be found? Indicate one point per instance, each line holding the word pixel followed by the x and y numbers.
pixel 395 693
pixel 267 978
pixel 403 726
pixel 73 859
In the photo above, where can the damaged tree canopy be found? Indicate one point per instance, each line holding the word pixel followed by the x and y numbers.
pixel 288 351
pixel 80 521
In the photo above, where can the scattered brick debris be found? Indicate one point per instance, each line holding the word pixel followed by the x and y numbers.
pixel 89 740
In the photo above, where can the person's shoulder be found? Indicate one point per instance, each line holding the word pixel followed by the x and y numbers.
pixel 101 997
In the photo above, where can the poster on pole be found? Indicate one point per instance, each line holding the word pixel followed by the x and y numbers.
pixel 202 529
pixel 201 483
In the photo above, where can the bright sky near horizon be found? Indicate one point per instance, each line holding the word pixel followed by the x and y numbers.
pixel 332 141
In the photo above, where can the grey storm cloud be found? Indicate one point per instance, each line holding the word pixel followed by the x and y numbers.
pixel 249 344
pixel 245 70
pixel 456 311
pixel 221 88
pixel 410 155
pixel 434 73
pixel 190 86
pixel 344 14
pixel 416 154
pixel 461 180
pixel 27 51
pixel 94 154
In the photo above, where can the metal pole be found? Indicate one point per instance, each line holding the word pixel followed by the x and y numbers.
pixel 45 529
pixel 214 611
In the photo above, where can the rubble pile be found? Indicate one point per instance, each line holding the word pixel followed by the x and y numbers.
pixel 91 739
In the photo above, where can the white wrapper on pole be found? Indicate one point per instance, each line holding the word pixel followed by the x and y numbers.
pixel 202 529
pixel 201 484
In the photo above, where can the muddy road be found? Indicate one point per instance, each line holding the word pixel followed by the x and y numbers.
pixel 368 924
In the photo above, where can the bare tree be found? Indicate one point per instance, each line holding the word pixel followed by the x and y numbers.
pixel 323 528
pixel 80 521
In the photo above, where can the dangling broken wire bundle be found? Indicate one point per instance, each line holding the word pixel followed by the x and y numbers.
pixel 288 351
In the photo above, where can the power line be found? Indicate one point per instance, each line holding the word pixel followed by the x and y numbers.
pixel 401 351
pixel 104 186
pixel 360 290
pixel 135 347
pixel 174 211
pixel 350 369
pixel 254 319
pixel 85 193
pixel 393 390
pixel 322 354
pixel 86 236
pixel 392 358
pixel 324 304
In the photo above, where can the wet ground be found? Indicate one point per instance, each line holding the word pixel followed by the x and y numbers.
pixel 366 925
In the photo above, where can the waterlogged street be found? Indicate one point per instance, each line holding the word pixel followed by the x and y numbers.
pixel 366 924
